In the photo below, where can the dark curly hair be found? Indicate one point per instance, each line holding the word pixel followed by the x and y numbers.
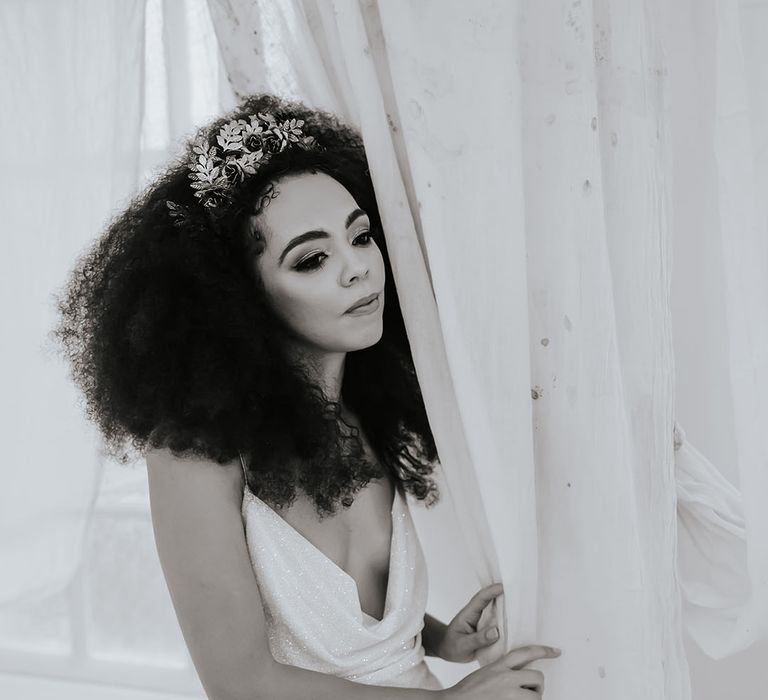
pixel 169 335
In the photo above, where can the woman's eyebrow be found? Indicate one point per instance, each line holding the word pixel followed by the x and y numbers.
pixel 312 235
pixel 352 216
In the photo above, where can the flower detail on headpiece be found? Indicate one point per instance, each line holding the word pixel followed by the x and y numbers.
pixel 243 146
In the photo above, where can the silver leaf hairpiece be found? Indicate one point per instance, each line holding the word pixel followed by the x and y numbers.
pixel 243 147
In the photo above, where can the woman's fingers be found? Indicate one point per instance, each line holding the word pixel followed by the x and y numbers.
pixel 517 658
pixel 468 644
pixel 484 637
pixel 472 611
pixel 531 679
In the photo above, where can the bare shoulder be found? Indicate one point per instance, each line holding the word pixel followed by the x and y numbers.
pixel 200 539
pixel 182 478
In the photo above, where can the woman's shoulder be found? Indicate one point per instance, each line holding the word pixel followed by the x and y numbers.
pixel 203 551
pixel 192 480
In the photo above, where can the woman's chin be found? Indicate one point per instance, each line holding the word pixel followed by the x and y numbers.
pixel 366 339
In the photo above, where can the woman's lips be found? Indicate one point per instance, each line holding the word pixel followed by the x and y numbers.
pixel 368 308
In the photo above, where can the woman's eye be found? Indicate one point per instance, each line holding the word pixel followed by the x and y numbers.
pixel 364 234
pixel 313 262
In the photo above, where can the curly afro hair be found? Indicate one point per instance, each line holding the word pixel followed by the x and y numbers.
pixel 167 332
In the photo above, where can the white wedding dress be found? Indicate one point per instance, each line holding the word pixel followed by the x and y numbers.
pixel 312 607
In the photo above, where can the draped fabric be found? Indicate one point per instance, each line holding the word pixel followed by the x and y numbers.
pixel 539 178
pixel 96 93
pixel 718 97
pixel 71 121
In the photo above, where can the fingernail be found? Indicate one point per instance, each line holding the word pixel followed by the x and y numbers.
pixel 492 633
pixel 555 650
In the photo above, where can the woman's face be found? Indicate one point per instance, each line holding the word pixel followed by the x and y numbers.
pixel 318 261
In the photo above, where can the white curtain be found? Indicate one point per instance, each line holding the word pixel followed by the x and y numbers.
pixel 96 93
pixel 71 121
pixel 718 116
pixel 569 192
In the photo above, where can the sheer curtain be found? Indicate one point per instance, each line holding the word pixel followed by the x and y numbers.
pixel 719 119
pixel 96 94
pixel 72 122
pixel 542 169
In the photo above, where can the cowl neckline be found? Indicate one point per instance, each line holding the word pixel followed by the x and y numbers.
pixel 395 521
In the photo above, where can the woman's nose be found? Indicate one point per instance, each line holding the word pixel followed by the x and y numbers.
pixel 356 267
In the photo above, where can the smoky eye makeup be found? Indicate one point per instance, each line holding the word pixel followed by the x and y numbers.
pixel 314 260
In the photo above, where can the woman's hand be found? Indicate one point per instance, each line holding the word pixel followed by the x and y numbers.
pixel 461 638
pixel 505 678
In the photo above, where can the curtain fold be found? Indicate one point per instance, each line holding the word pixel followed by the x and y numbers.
pixel 712 555
pixel 282 47
pixel 599 271
pixel 744 242
pixel 718 114
pixel 477 267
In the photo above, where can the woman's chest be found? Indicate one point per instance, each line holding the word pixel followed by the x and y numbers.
pixel 357 539
pixel 356 535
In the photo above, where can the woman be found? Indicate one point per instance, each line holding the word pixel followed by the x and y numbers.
pixel 238 324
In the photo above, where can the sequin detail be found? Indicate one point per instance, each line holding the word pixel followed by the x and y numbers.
pixel 312 607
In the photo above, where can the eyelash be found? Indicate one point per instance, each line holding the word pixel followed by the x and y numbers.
pixel 304 267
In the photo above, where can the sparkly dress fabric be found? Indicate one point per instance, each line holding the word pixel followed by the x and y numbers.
pixel 312 608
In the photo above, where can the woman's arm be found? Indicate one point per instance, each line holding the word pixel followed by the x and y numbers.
pixel 432 635
pixel 200 540
pixel 300 684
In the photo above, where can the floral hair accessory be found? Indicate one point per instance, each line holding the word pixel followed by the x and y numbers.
pixel 243 146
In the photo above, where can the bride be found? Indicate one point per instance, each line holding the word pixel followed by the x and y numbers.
pixel 238 324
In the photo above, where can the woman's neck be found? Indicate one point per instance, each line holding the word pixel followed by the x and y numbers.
pixel 327 369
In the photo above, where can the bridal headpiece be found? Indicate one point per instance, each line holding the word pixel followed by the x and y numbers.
pixel 243 147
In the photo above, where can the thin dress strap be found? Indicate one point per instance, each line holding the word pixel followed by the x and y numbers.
pixel 245 472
